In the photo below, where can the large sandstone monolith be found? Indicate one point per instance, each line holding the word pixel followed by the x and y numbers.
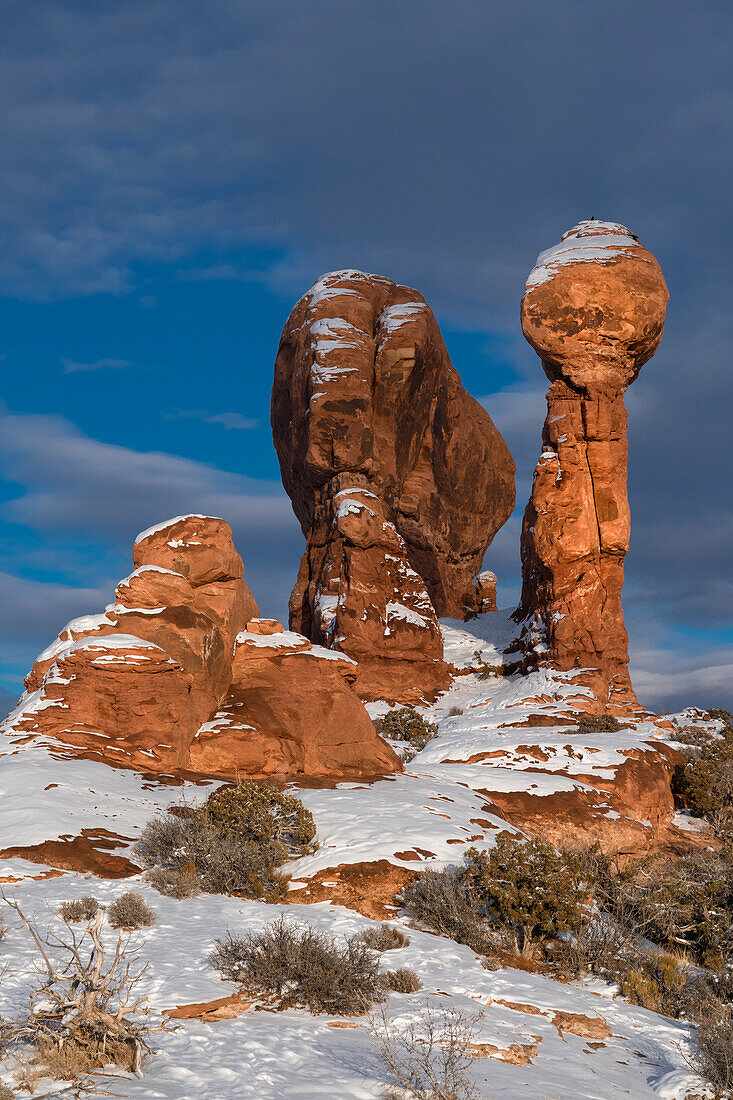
pixel 179 675
pixel 398 477
pixel 593 309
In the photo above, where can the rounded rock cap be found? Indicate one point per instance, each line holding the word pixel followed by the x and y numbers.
pixel 594 305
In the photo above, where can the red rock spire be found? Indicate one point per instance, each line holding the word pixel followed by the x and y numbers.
pixel 593 310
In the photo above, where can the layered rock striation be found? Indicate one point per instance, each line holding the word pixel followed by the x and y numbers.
pixel 593 309
pixel 180 674
pixel 398 477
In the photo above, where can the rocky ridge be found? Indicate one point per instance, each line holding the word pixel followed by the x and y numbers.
pixel 180 675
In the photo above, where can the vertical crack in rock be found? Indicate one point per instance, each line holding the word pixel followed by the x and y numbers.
pixel 593 310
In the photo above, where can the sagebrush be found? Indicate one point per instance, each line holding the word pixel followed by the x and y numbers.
pixel 79 909
pixel 130 910
pixel 293 964
pixel 385 937
pixel 402 980
pixel 442 902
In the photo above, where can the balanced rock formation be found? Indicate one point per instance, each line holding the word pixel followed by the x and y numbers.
pixel 593 309
pixel 162 681
pixel 398 477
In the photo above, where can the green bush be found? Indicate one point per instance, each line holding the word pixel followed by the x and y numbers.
pixel 293 964
pixel 406 724
pixel 233 844
pixel 264 815
pixel 527 888
pixel 599 723
pixel 521 889
pixel 705 785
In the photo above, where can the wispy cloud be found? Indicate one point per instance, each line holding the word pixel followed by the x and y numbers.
pixel 73 366
pixel 76 491
pixel 228 420
pixel 74 483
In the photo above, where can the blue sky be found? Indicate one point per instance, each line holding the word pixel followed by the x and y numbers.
pixel 173 181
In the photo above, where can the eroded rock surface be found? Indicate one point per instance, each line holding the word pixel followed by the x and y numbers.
pixel 291 710
pixel 593 309
pixel 398 477
pixel 143 685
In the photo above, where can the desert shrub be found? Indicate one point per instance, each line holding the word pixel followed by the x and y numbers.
pixel 130 910
pixel 86 1010
pixel 600 946
pixel 455 711
pixel 384 938
pixel 406 724
pixel 656 982
pixel 486 671
pixel 721 715
pixel 430 1059
pixel 3 927
pixel 179 882
pixel 713 1056
pixel 6 1093
pixel 224 862
pixel 233 844
pixel 692 738
pixel 599 723
pixel 79 909
pixel 705 784
pixel 6 1034
pixel 685 903
pixel 402 980
pixel 527 888
pixel 294 964
pixel 442 901
pixel 264 815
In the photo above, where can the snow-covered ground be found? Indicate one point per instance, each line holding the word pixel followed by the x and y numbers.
pixel 427 816
pixel 295 1056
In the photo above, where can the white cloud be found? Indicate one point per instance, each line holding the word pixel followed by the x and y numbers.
pixel 71 366
pixel 79 492
pixel 228 420
pixel 666 680
pixel 79 485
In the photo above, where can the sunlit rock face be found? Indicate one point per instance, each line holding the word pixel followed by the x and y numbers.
pixel 398 477
pixel 593 309
pixel 180 675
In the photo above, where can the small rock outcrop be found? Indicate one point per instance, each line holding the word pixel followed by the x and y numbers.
pixel 398 477
pixel 181 675
pixel 291 710
pixel 593 309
